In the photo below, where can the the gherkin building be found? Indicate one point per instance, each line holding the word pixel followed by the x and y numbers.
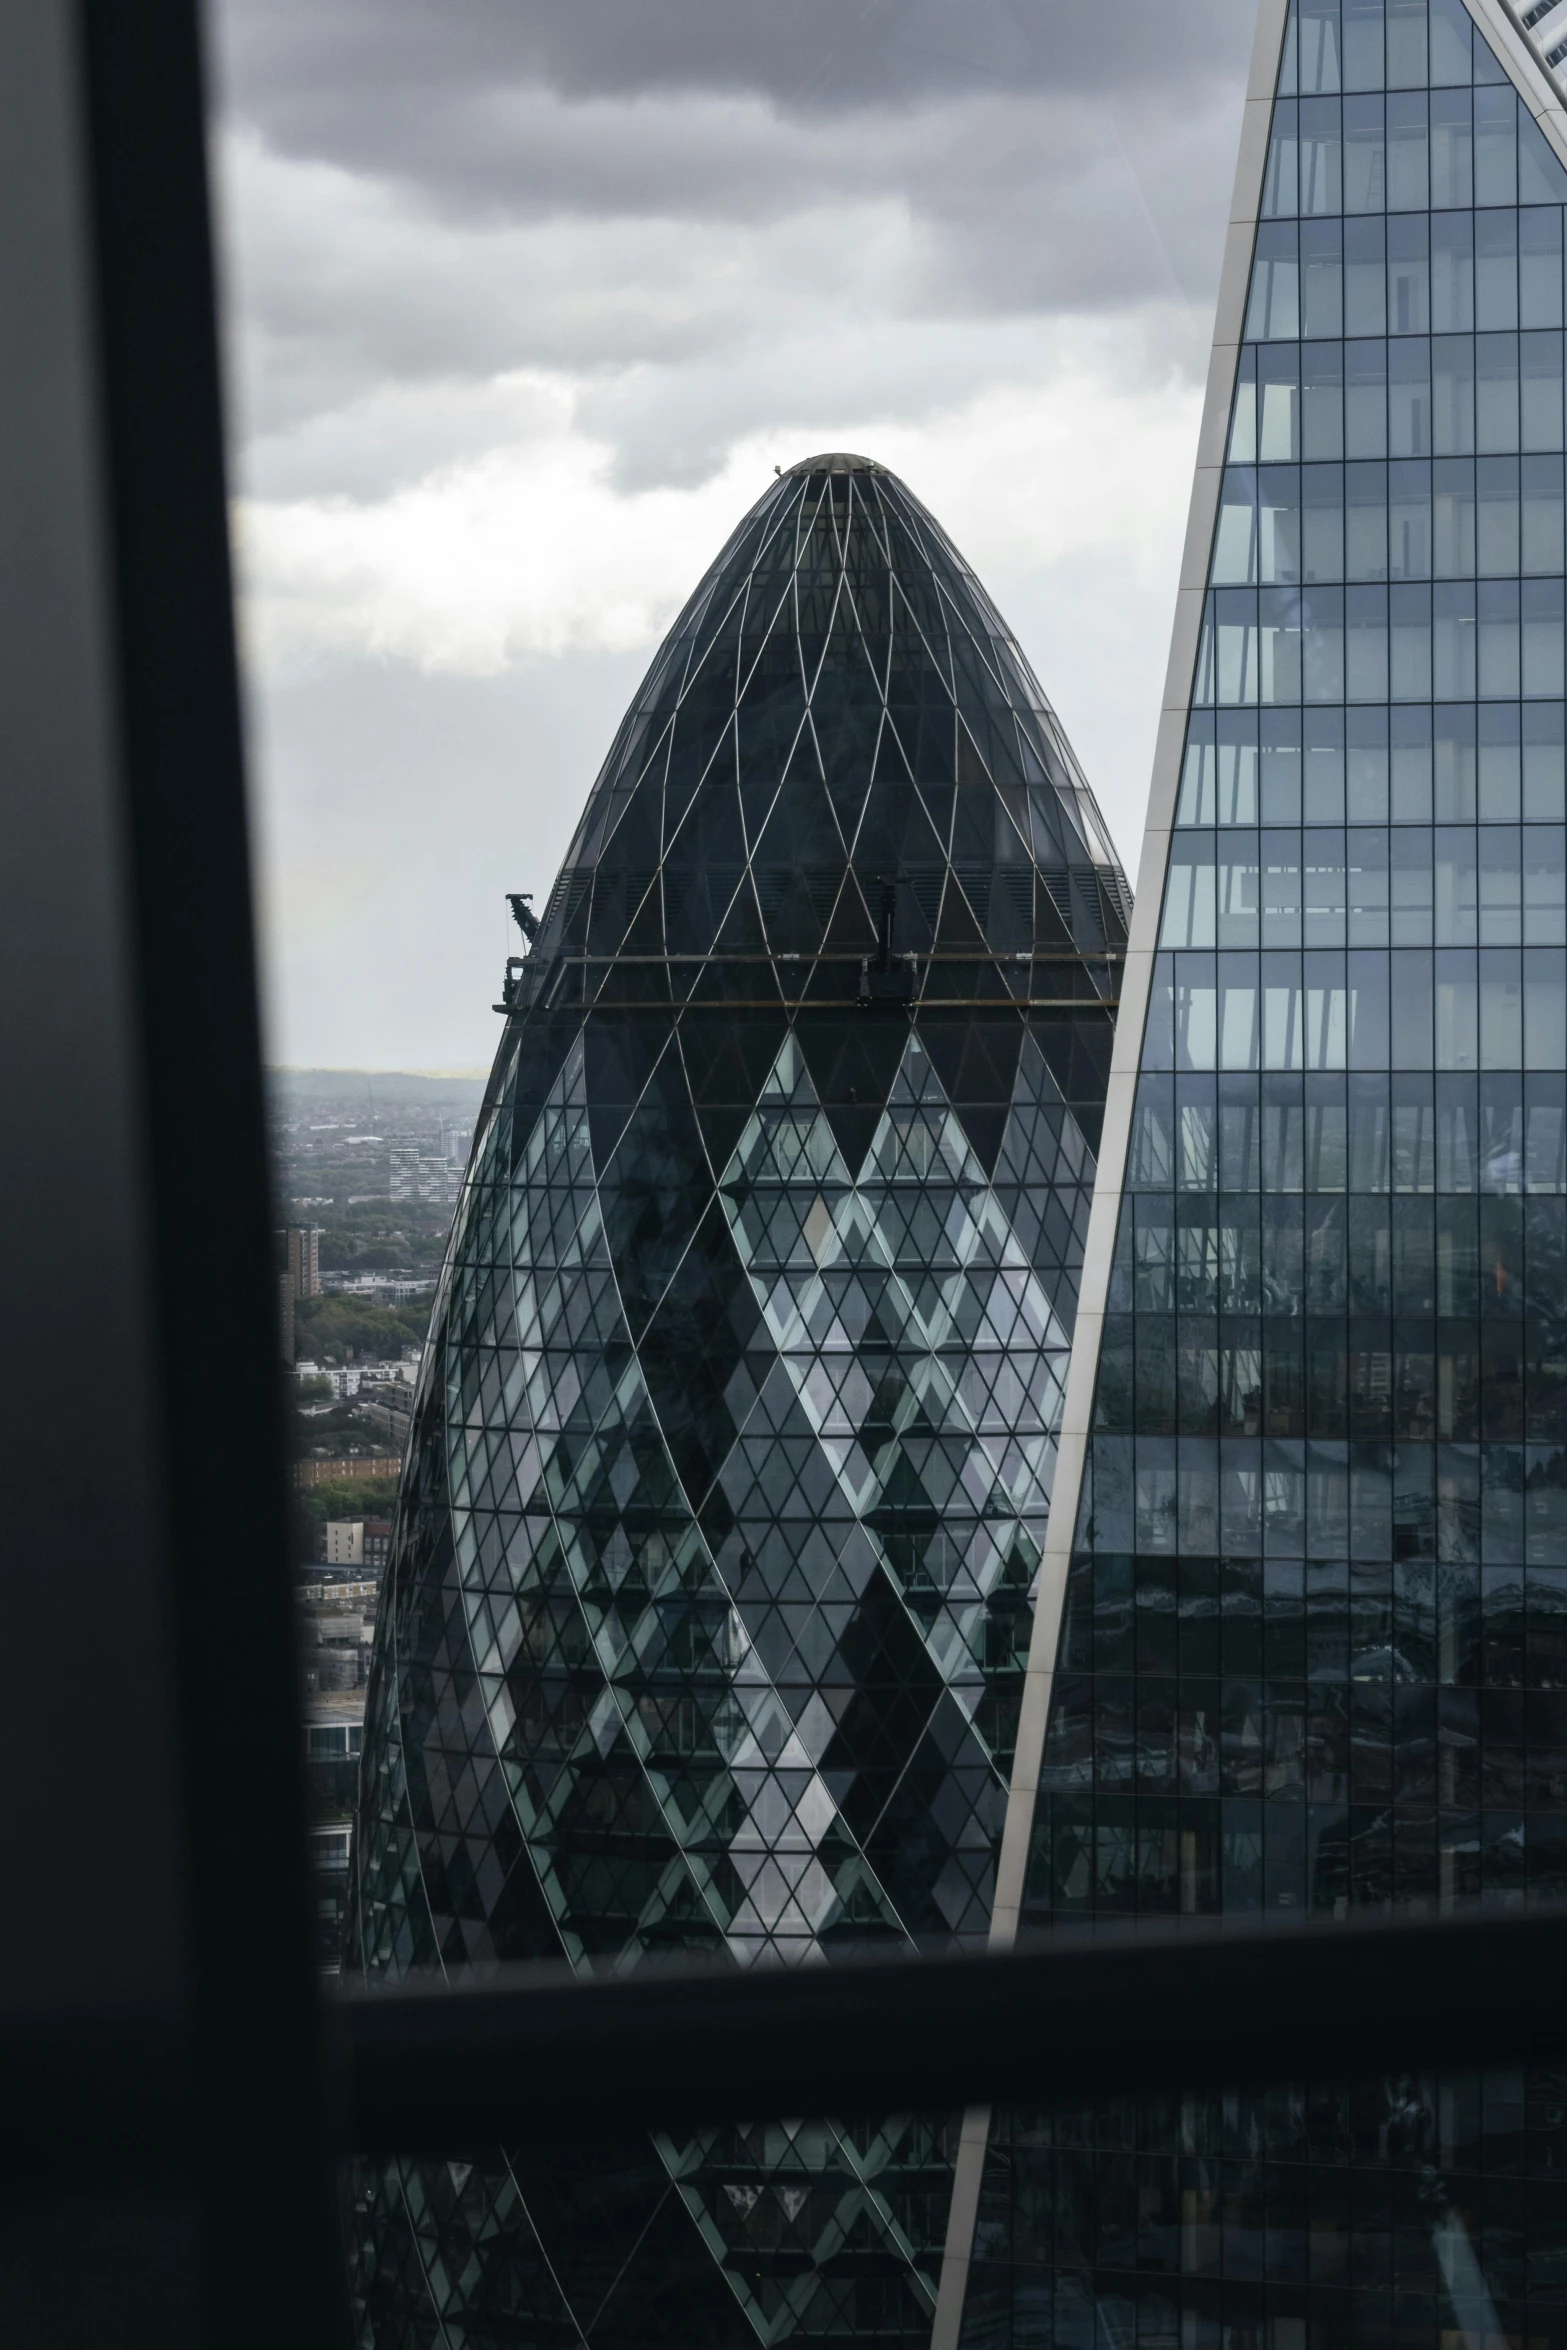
pixel 713 1574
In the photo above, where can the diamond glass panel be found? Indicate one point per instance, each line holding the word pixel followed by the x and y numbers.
pixel 713 1574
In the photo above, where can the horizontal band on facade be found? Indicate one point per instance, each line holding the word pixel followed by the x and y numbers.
pixel 982 962
pixel 525 2060
pixel 849 1003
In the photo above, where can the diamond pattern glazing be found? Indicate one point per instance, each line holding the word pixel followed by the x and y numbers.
pixel 713 1571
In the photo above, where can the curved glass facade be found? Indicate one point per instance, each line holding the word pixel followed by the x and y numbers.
pixel 713 1575
pixel 1314 1649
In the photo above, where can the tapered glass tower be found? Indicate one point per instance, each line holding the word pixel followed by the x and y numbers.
pixel 1302 1634
pixel 714 1570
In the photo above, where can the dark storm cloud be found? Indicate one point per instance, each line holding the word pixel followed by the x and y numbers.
pixel 447 97
pixel 310 67
pixel 699 188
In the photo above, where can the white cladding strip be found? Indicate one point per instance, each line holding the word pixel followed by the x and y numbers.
pixel 1543 25
pixel 1526 54
pixel 1099 1249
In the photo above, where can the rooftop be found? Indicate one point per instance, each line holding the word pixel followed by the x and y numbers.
pixel 835 461
pixel 334 1705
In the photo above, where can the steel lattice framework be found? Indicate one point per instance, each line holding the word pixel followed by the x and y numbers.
pixel 712 1580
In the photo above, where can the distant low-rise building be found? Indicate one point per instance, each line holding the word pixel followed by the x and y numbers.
pixel 336 1628
pixel 334 1735
pixel 393 1288
pixel 388 1410
pixel 433 1178
pixel 342 1378
pixel 346 1379
pixel 341 1468
pixel 356 1542
pixel 330 1848
pixel 331 1668
pixel 337 1586
pixel 343 1542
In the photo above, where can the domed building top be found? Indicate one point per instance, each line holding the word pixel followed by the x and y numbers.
pixel 834 461
pixel 839 734
pixel 710 1591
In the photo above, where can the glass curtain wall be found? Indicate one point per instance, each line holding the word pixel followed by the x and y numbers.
pixel 712 1578
pixel 1314 1651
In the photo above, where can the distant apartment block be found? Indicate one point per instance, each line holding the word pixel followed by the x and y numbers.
pixel 343 1542
pixel 302 1260
pixel 434 1179
pixel 337 1470
pixel 355 1542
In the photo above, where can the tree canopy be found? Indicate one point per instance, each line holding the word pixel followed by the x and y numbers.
pixel 326 1327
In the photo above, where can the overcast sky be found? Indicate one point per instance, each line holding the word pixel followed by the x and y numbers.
pixel 526 298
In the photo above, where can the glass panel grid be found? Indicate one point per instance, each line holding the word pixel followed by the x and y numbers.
pixel 713 1573
pixel 1313 1658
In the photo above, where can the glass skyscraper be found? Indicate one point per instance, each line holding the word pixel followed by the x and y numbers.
pixel 1302 1627
pixel 714 1569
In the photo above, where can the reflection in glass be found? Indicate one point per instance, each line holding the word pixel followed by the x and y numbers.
pixel 1327 1449
pixel 712 1581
